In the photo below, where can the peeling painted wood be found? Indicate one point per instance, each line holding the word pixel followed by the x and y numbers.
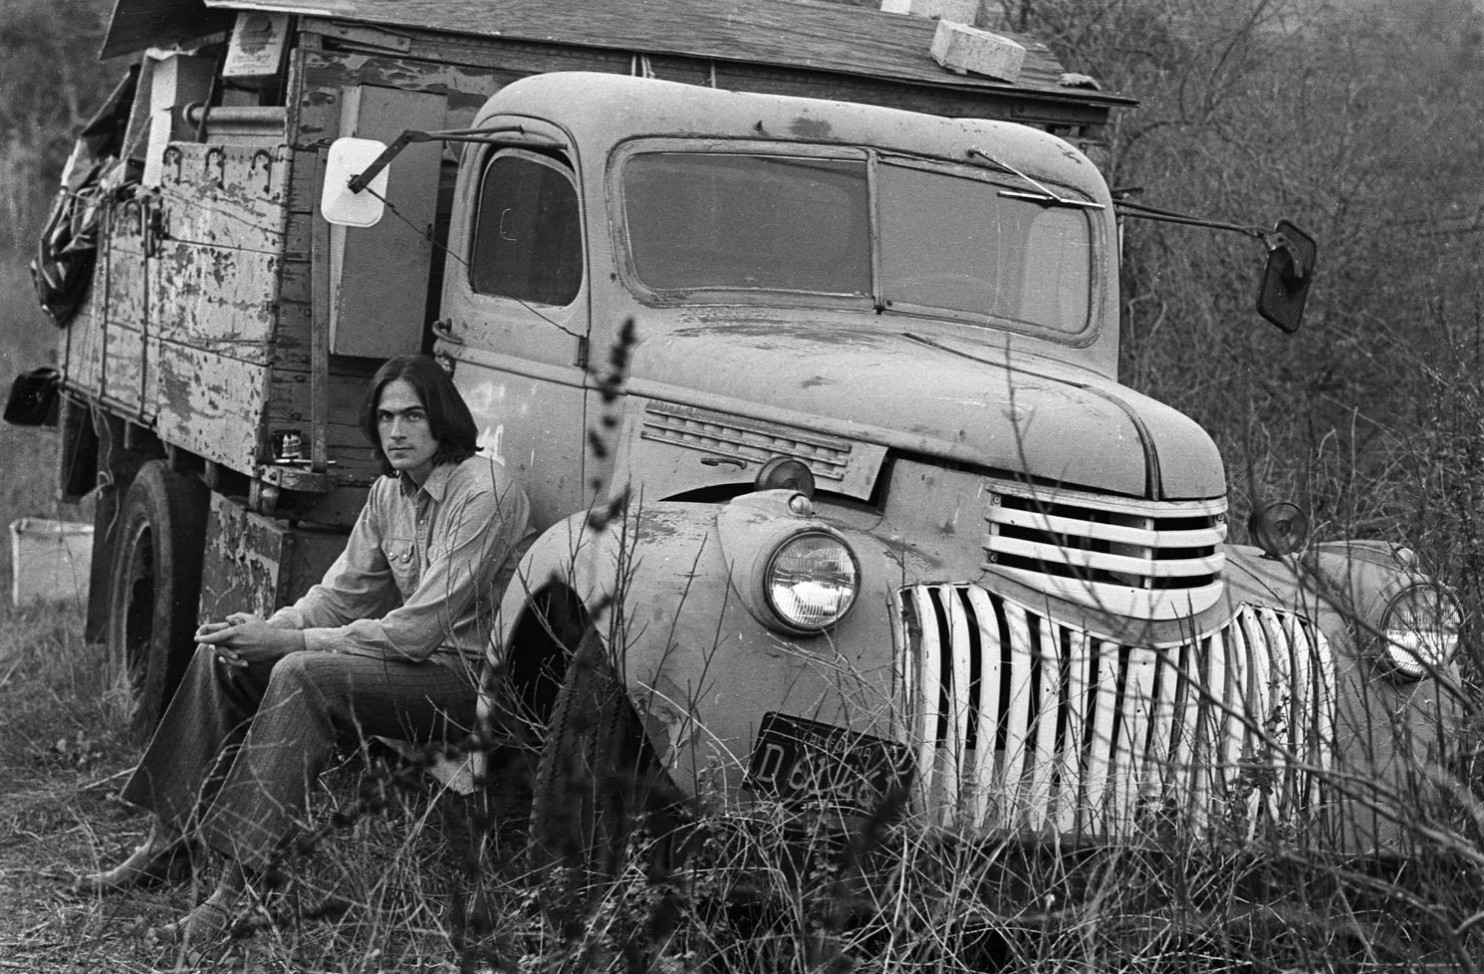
pixel 81 347
pixel 124 372
pixel 216 299
pixel 226 196
pixel 208 403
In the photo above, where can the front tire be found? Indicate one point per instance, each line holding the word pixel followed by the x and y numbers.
pixel 154 588
pixel 597 777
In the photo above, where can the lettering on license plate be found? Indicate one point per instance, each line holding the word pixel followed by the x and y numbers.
pixel 795 757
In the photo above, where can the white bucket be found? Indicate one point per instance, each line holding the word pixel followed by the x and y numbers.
pixel 50 560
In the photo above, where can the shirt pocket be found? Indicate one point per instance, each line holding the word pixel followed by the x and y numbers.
pixel 401 557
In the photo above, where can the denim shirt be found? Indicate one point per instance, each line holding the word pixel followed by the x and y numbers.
pixel 423 570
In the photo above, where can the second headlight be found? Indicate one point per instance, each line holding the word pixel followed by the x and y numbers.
pixel 1420 628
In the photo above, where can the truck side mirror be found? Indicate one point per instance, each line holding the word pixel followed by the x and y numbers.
pixel 1287 276
pixel 347 159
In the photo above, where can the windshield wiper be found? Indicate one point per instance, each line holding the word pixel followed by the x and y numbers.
pixel 1046 196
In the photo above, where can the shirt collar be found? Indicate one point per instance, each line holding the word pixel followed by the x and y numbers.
pixel 436 486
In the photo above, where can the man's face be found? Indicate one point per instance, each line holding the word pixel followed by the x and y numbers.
pixel 406 438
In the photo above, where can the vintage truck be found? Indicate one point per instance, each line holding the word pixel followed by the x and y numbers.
pixel 861 513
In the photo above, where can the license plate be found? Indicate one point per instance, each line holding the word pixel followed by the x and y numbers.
pixel 799 758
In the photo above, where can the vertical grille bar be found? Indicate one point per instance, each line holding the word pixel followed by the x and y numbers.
pixel 1306 719
pixel 1138 698
pixel 959 689
pixel 1048 710
pixel 1017 727
pixel 928 699
pixel 1281 707
pixel 1226 703
pixel 990 784
pixel 1302 720
pixel 1100 746
pixel 1262 703
pixel 1188 708
pixel 1159 764
pixel 1326 704
pixel 1197 756
pixel 1241 747
pixel 1069 791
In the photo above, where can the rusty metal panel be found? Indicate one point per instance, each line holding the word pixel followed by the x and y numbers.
pixel 257 564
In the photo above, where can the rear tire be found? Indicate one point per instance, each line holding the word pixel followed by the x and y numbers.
pixel 154 588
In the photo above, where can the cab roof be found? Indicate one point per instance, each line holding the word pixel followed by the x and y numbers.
pixel 607 109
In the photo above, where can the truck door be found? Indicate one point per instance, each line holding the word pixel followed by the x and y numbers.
pixel 516 306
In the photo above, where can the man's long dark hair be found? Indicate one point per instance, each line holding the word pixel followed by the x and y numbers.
pixel 448 414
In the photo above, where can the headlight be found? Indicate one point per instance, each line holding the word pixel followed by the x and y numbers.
pixel 811 581
pixel 1421 630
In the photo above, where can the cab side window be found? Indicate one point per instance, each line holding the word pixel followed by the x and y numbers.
pixel 527 240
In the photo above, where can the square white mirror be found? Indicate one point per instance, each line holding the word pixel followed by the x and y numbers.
pixel 347 159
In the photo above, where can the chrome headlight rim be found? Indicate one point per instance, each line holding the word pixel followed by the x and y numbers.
pixel 1408 652
pixel 792 623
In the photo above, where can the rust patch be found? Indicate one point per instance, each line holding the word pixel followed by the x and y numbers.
pixel 811 128
pixel 659 524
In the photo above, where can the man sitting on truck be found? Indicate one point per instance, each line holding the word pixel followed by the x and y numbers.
pixel 263 703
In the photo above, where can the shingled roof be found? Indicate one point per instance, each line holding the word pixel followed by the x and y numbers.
pixel 817 36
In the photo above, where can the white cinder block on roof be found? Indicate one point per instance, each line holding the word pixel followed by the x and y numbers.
pixel 958 11
pixel 961 48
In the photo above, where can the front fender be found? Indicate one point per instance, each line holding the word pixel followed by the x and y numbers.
pixel 674 607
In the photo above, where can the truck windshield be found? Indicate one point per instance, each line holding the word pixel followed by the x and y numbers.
pixel 949 242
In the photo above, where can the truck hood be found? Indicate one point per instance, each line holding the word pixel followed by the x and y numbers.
pixel 951 398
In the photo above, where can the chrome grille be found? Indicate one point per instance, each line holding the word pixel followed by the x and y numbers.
pixel 1020 722
pixel 1143 559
